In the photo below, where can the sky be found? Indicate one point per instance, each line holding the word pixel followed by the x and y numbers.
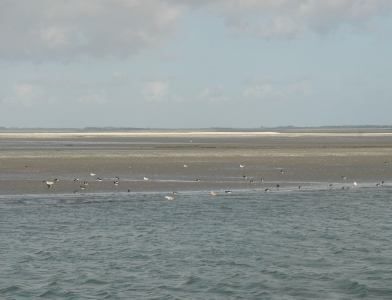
pixel 195 63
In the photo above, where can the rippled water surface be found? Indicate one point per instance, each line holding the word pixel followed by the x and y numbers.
pixel 244 245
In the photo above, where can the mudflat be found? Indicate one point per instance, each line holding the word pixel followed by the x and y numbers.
pixel 138 161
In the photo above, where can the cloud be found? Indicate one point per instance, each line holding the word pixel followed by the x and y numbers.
pixel 213 94
pixel 93 98
pixel 66 30
pixel 24 94
pixel 292 18
pixel 266 90
pixel 47 30
pixel 155 91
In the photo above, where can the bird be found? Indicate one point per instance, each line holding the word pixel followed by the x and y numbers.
pixel 146 178
pixel 355 183
pixel 242 166
pixel 185 166
pixel 50 183
pixel 267 190
pixel 116 182
pixel 84 185
pixel 228 192
pixel 168 197
pixel 98 179
pixel 92 174
pixel 212 193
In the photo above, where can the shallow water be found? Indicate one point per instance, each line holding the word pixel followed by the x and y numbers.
pixel 329 244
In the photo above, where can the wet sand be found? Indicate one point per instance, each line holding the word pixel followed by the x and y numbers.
pixel 212 158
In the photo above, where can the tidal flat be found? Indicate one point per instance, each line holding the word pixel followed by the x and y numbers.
pixel 166 160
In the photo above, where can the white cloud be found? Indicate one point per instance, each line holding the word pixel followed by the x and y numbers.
pixel 155 91
pixel 24 94
pixel 266 90
pixel 213 94
pixel 93 98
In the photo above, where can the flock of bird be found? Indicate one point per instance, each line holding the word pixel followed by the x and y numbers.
pixel 83 184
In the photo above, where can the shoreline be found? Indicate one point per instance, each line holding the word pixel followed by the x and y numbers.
pixel 163 133
pixel 285 187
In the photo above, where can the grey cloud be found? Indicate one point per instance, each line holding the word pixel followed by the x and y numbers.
pixel 291 18
pixel 67 30
pixel 47 29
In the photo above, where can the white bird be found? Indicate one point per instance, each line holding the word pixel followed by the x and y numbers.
pixel 185 166
pixel 146 178
pixel 242 166
pixel 92 174
pixel 355 183
pixel 50 183
pixel 167 197
pixel 213 193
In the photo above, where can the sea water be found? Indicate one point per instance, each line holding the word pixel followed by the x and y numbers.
pixel 331 244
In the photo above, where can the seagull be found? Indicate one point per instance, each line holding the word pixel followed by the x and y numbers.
pixel 228 192
pixel 355 183
pixel 267 190
pixel 167 197
pixel 213 193
pixel 50 183
pixel 98 179
pixel 116 182
pixel 92 174
pixel 146 178
pixel 185 166
pixel 242 166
